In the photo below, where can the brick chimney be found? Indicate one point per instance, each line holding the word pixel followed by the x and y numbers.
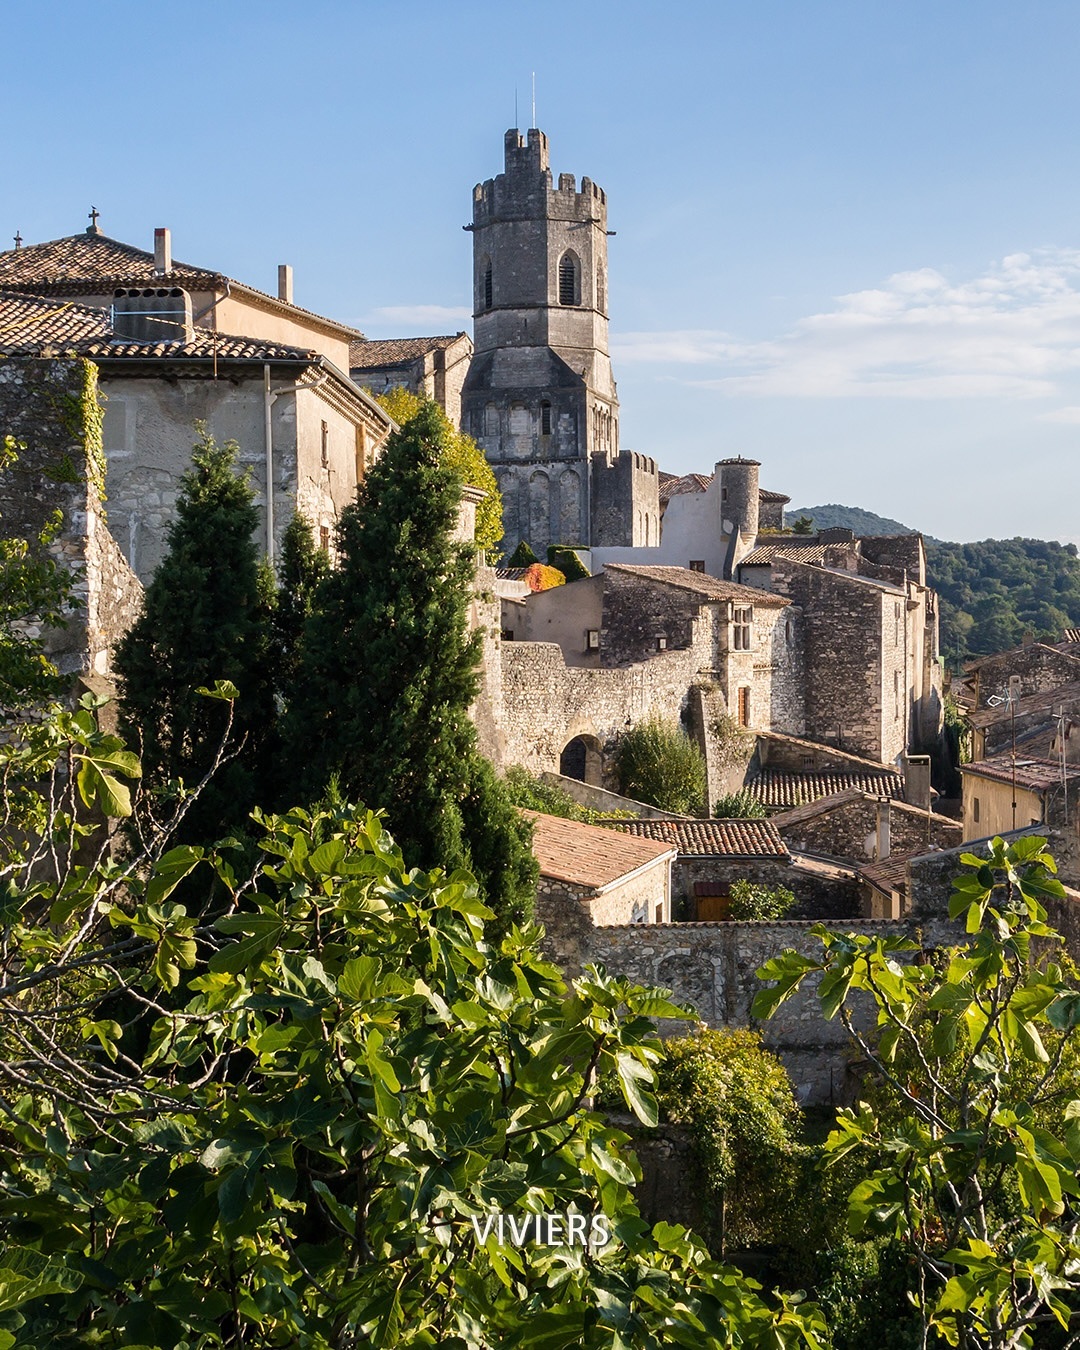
pixel 162 252
pixel 284 283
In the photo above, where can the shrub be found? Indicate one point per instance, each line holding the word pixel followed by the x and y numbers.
pixel 522 556
pixel 568 562
pixel 751 900
pixel 539 577
pixel 656 762
pixel 742 804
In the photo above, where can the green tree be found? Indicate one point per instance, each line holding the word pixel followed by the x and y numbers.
pixel 566 560
pixel 389 673
pixel 35 592
pixel 204 619
pixel 972 1162
pixel 754 900
pixel 464 457
pixel 656 762
pixel 288 1146
pixel 742 804
pixel 302 568
pixel 804 525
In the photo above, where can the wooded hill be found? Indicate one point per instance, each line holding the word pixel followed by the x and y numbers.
pixel 992 592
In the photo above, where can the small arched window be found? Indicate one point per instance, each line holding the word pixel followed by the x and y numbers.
pixel 545 418
pixel 569 279
pixel 488 290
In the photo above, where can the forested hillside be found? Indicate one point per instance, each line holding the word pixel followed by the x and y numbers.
pixel 854 518
pixel 992 592
pixel 995 590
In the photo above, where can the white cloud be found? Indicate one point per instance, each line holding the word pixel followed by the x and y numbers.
pixel 1013 332
pixel 416 317
pixel 1069 415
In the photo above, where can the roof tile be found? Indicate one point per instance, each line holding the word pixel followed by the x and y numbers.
pixel 588 855
pixel 708 587
pixel 781 789
pixel 391 351
pixel 724 838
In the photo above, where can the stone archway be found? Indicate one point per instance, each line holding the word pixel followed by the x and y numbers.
pixel 582 758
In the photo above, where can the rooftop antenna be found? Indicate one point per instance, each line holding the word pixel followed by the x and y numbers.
pixel 516 124
pixel 533 122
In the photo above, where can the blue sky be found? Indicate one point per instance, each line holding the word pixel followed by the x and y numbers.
pixel 848 233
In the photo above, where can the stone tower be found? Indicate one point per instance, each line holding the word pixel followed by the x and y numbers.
pixel 540 397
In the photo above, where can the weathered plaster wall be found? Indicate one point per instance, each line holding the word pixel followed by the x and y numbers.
pixel 150 428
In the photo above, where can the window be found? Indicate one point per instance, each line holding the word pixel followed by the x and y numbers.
pixel 896 694
pixel 975 810
pixel 324 538
pixel 744 705
pixel 807 761
pixel 488 290
pixel 508 635
pixel 741 617
pixel 723 494
pixel 661 642
pixel 660 910
pixel 545 418
pixel 592 640
pixel 896 625
pixel 569 280
pixel 697 564
pixel 326 445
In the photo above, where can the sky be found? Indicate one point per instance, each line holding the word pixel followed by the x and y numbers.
pixel 847 234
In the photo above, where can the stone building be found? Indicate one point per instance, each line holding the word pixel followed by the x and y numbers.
pixel 589 875
pixel 706 524
pixel 540 396
pixel 164 367
pixel 432 367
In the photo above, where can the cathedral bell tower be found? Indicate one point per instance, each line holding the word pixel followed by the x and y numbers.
pixel 540 397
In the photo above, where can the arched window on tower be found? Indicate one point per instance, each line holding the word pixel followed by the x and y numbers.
pixel 569 279
pixel 488 292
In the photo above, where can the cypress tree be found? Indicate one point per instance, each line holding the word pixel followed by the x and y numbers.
pixel 388 674
pixel 205 618
pixel 301 571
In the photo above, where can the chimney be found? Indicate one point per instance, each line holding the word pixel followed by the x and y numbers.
pixel 284 283
pixel 162 252
pixel 884 829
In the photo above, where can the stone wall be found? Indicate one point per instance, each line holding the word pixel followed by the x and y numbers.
pixel 544 703
pixel 848 826
pixel 600 799
pixel 51 408
pixel 1038 667
pixel 712 967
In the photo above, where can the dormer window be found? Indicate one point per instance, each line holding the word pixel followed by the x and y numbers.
pixel 569 279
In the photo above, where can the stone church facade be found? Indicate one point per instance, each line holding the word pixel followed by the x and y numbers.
pixel 540 397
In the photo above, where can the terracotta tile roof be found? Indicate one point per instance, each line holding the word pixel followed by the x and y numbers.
pixel 727 838
pixel 764 554
pixel 82 261
pixel 674 486
pixel 1047 701
pixel 511 573
pixel 890 874
pixel 93 264
pixel 31 325
pixel 589 855
pixel 1034 774
pixel 391 351
pixel 1071 635
pixel 781 789
pixel 709 588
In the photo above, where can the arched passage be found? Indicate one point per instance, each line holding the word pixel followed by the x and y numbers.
pixel 582 758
